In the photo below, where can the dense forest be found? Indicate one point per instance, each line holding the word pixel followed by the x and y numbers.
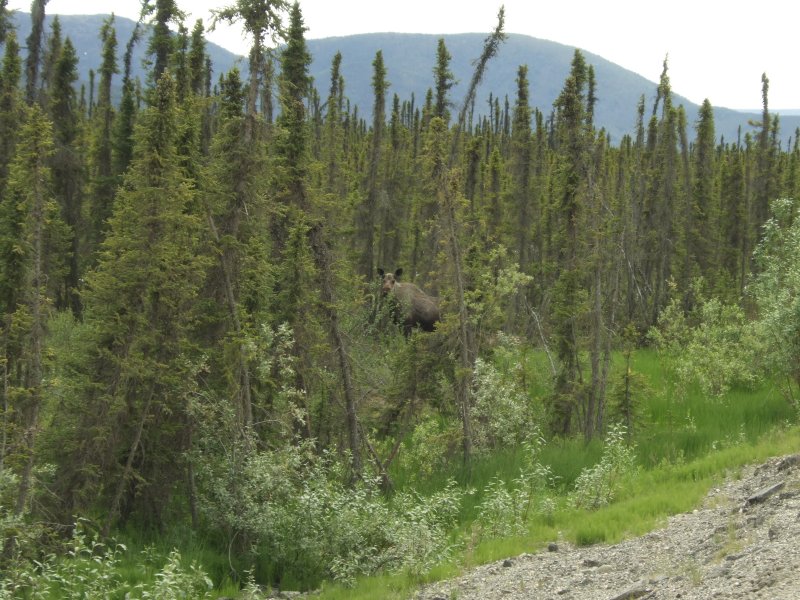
pixel 194 334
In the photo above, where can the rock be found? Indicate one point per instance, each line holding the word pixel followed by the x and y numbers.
pixel 637 590
pixel 765 493
pixel 588 562
pixel 789 462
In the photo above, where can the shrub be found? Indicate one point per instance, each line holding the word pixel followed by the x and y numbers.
pixel 776 289
pixel 507 509
pixel 301 515
pixel 598 485
pixel 88 568
pixel 503 414
pixel 714 345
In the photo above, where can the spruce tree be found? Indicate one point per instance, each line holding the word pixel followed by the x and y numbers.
pixel 305 219
pixel 34 45
pixel 5 25
pixel 31 223
pixel 197 59
pixel 704 243
pixel 68 167
pixel 161 44
pixel 52 54
pixel 236 214
pixel 521 171
pixel 571 177
pixel 102 179
pixel 10 101
pixel 373 184
pixel 444 80
pixel 141 302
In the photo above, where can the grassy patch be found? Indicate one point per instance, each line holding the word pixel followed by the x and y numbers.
pixel 643 505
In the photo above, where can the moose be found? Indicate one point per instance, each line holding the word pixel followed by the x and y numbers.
pixel 412 307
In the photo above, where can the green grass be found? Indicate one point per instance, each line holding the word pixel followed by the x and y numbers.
pixel 643 505
pixel 685 444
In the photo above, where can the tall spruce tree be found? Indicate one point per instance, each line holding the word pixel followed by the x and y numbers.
pixel 102 179
pixel 307 218
pixel 68 167
pixel 52 54
pixel 573 147
pixel 704 244
pixel 237 222
pixel 140 303
pixel 10 101
pixel 162 44
pixel 34 45
pixel 372 183
pixel 521 170
pixel 31 216
pixel 444 80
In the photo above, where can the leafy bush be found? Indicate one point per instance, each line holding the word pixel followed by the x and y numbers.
pixel 177 582
pixel 506 509
pixel 776 288
pixel 89 568
pixel 598 486
pixel 432 445
pixel 299 511
pixel 714 345
pixel 503 415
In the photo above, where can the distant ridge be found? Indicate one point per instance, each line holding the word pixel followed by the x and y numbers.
pixel 409 60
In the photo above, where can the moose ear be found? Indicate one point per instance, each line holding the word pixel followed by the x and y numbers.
pixel 398 273
pixel 380 272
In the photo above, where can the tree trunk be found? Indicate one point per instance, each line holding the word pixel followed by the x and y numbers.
pixel 245 407
pixel 35 369
pixel 466 346
pixel 323 262
pixel 126 473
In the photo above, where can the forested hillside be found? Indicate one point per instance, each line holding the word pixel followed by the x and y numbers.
pixel 411 58
pixel 194 336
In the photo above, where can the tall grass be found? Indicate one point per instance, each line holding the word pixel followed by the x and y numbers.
pixel 643 505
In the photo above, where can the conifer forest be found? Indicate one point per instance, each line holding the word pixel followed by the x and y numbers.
pixel 194 337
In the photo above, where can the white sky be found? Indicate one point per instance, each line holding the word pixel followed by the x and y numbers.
pixel 717 49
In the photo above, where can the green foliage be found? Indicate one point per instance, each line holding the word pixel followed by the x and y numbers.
pixel 431 446
pixel 599 485
pixel 307 524
pixel 508 510
pixel 181 394
pixel 175 581
pixel 87 568
pixel 776 289
pixel 502 412
pixel 713 345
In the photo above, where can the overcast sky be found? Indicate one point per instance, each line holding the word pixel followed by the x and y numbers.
pixel 717 49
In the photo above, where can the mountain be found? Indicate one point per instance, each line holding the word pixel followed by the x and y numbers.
pixel 410 58
pixel 84 32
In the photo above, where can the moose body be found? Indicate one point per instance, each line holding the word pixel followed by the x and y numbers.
pixel 412 307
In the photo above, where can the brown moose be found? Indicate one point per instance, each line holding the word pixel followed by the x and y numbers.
pixel 412 307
